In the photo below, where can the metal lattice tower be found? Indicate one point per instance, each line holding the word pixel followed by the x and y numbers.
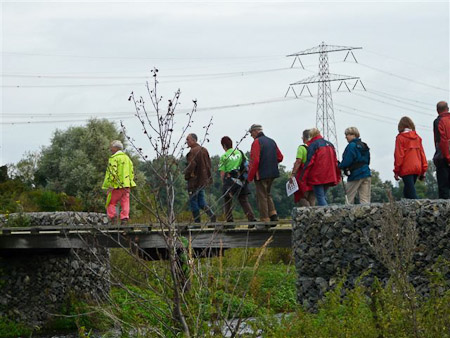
pixel 325 120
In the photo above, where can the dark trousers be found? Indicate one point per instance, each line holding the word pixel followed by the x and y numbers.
pixel 231 189
pixel 243 201
pixel 443 179
pixel 409 189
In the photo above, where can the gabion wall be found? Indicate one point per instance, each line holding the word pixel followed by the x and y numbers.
pixel 36 285
pixel 333 239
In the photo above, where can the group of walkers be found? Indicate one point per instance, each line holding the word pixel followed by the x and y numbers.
pixel 315 170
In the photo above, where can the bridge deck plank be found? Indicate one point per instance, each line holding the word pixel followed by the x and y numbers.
pixel 113 238
pixel 44 228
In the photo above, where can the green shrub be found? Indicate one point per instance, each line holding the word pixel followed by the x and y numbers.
pixel 12 329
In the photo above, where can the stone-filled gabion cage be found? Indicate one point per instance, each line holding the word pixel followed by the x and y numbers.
pixel 37 285
pixel 330 241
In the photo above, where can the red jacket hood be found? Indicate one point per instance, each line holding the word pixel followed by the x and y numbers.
pixel 412 135
pixel 313 139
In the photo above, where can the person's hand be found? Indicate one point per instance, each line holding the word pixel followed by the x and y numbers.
pixel 109 190
pixel 396 177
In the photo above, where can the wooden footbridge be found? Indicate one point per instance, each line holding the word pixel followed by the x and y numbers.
pixel 240 234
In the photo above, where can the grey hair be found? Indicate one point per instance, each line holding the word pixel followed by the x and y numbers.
pixel 194 136
pixel 313 132
pixel 117 144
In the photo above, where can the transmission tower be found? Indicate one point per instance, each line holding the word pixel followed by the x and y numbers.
pixel 325 120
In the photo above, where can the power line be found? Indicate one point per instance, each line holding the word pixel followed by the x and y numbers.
pixel 237 73
pixel 394 105
pixel 403 77
pixel 125 115
pixel 409 100
pixel 403 88
pixel 372 115
pixel 128 115
pixel 404 61
pixel 142 58
pixel 402 101
pixel 188 77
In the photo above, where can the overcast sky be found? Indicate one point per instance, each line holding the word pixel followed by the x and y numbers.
pixel 65 62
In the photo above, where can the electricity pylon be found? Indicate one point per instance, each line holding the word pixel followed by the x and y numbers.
pixel 325 120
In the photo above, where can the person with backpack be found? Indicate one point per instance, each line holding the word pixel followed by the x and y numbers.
pixel 355 164
pixel 410 161
pixel 233 167
pixel 321 168
pixel 304 195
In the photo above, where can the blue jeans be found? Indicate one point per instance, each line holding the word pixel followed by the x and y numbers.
pixel 409 190
pixel 197 200
pixel 320 192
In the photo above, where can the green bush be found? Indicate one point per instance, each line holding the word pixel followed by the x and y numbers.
pixel 12 329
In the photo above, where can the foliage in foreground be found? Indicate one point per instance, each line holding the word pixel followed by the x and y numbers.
pixel 363 312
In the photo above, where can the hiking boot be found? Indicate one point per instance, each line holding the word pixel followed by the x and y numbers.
pixel 124 221
pixel 113 221
pixel 274 218
pixel 251 226
pixel 213 218
pixel 196 215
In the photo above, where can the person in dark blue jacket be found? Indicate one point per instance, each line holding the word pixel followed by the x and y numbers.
pixel 355 164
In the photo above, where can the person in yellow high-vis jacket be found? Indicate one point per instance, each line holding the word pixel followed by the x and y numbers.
pixel 119 178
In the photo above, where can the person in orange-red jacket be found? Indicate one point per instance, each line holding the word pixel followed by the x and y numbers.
pixel 321 168
pixel 410 161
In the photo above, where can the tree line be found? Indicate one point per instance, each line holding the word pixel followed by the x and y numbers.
pixel 68 174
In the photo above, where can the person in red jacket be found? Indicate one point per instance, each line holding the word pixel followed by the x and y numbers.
pixel 263 168
pixel 441 158
pixel 321 168
pixel 410 161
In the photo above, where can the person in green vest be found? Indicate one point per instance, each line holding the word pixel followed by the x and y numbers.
pixel 304 196
pixel 233 167
pixel 119 178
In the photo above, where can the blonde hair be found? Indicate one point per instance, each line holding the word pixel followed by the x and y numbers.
pixel 313 132
pixel 352 131
pixel 406 122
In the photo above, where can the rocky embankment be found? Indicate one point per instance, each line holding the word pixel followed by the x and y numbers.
pixel 53 218
pixel 36 285
pixel 329 241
